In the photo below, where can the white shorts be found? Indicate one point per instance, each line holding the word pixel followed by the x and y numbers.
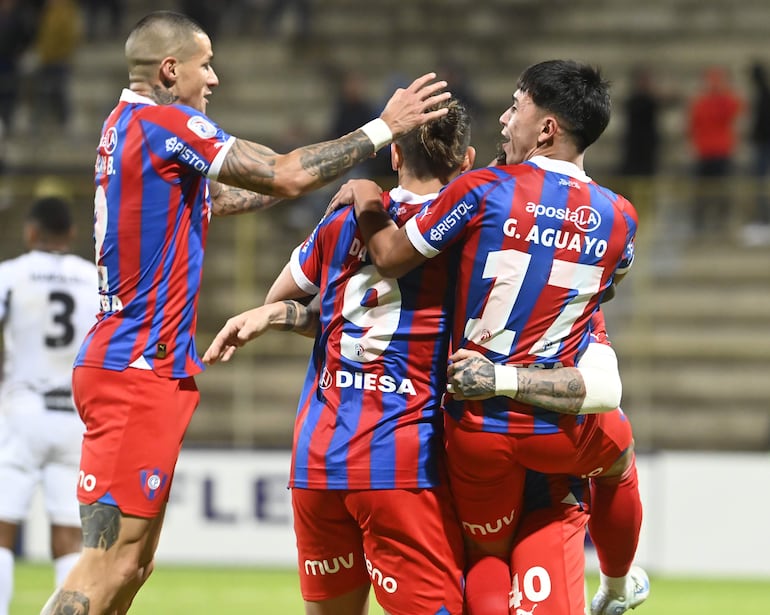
pixel 38 447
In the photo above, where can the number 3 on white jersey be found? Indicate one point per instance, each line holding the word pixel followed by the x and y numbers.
pixel 508 268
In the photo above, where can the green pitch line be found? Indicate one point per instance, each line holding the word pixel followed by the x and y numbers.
pixel 175 590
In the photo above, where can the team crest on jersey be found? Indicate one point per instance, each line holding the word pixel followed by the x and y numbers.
pixel 152 482
pixel 109 140
pixel 201 127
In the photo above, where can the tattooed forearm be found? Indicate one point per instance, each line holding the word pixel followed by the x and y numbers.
pixel 67 603
pixel 255 167
pixel 290 318
pixel 328 161
pixel 300 319
pixel 561 390
pixel 229 200
pixel 101 525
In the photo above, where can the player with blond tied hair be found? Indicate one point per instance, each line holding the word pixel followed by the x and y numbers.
pixel 541 244
pixel 367 477
pixel 162 169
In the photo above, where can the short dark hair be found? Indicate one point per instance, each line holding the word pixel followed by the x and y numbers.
pixel 576 93
pixel 52 215
pixel 437 149
pixel 172 19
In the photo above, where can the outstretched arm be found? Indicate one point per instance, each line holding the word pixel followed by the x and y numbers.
pixel 592 387
pixel 288 315
pixel 285 309
pixel 258 168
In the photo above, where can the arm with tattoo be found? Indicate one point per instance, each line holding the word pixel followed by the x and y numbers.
pixel 473 376
pixel 593 386
pixel 227 200
pixel 252 166
pixel 286 315
pixel 561 389
pixel 257 168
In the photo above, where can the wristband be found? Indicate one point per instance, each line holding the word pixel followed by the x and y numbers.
pixel 378 132
pixel 506 380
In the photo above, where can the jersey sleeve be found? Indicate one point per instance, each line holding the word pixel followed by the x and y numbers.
pixel 307 259
pixel 302 265
pixel 632 222
pixel 181 135
pixel 443 222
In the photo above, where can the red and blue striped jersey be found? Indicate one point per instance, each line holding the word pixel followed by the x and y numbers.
pixel 151 216
pixel 541 242
pixel 370 412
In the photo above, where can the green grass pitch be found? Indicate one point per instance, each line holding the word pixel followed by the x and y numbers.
pixel 175 590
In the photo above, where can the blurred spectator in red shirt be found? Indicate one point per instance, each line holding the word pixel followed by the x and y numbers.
pixel 712 132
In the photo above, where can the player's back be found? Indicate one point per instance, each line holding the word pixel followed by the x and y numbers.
pixel 541 243
pixel 48 302
pixel 369 416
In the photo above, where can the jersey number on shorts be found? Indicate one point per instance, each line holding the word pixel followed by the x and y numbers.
pixel 62 307
pixel 509 268
pixel 535 586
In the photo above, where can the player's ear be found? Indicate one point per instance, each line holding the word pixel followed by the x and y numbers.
pixel 168 71
pixel 396 158
pixel 469 159
pixel 548 129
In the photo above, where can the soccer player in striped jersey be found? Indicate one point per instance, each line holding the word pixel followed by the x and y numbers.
pixel 556 512
pixel 162 169
pixel 616 508
pixel 48 302
pixel 367 475
pixel 540 244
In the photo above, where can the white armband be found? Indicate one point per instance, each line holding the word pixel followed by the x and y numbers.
pixel 599 368
pixel 506 380
pixel 378 132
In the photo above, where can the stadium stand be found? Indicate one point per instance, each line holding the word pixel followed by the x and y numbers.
pixel 692 328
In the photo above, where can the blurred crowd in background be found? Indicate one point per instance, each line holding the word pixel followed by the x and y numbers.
pixel 689 143
pixel 40 40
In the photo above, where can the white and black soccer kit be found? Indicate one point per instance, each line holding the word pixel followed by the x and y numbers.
pixel 48 302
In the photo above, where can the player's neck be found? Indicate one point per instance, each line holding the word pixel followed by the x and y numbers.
pixel 53 247
pixel 557 152
pixel 419 186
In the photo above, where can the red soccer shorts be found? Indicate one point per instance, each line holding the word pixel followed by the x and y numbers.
pixel 405 542
pixel 487 469
pixel 548 562
pixel 135 422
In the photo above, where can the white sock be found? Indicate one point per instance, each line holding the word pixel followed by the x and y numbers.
pixel 6 580
pixel 613 584
pixel 62 566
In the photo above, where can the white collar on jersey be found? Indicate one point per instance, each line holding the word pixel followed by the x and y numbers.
pixel 402 195
pixel 130 96
pixel 560 166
